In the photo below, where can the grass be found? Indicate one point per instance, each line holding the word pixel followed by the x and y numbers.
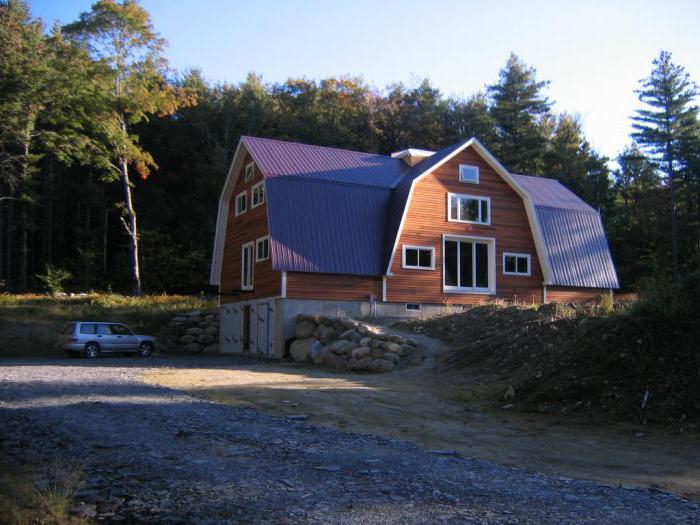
pixel 29 323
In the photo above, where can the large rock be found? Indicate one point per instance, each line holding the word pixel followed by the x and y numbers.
pixel 300 349
pixel 380 366
pixel 342 346
pixel 365 341
pixel 187 339
pixel 211 349
pixel 205 339
pixel 316 353
pixel 324 333
pixel 193 348
pixel 347 334
pixel 393 347
pixel 211 330
pixel 305 329
pixel 360 352
pixel 194 331
pixel 360 365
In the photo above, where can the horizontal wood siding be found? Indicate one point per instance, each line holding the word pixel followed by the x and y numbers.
pixel 565 294
pixel 427 221
pixel 240 230
pixel 333 287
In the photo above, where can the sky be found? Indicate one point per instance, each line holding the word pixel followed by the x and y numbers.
pixel 593 52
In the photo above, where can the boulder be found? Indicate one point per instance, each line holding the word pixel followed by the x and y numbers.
pixel 324 333
pixel 375 343
pixel 359 365
pixel 194 348
pixel 187 339
pixel 341 346
pixel 394 358
pixel 316 354
pixel 301 348
pixel 211 330
pixel 211 349
pixel 305 328
pixel 347 334
pixel 328 358
pixel 377 353
pixel 205 339
pixel 365 341
pixel 406 349
pixel 194 331
pixel 209 318
pixel 362 329
pixel 360 352
pixel 393 347
pixel 380 366
pixel 350 324
pixel 356 337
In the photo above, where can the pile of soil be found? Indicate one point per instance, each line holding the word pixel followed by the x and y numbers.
pixel 639 362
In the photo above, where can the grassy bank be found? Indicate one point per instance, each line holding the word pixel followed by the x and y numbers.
pixel 29 323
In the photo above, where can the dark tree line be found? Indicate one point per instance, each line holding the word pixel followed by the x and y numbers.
pixel 79 116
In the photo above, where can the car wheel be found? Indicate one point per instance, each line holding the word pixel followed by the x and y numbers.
pixel 92 350
pixel 145 349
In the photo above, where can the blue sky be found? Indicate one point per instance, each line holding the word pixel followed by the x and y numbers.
pixel 594 52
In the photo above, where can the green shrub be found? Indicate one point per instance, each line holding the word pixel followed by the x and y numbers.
pixel 54 278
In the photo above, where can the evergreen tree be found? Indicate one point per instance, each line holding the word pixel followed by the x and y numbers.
pixel 664 127
pixel 518 107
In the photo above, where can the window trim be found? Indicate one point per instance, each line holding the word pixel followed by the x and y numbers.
pixel 258 241
pixel 415 247
pixel 236 209
pixel 473 197
pixel 252 194
pixel 469 166
pixel 420 307
pixel 244 246
pixel 249 167
pixel 516 255
pixel 491 254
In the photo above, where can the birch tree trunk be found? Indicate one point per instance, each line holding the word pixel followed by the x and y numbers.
pixel 130 226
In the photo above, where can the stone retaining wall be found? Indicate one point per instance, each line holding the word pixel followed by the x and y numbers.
pixel 193 332
pixel 346 344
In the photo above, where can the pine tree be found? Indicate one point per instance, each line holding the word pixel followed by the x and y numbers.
pixel 518 108
pixel 664 128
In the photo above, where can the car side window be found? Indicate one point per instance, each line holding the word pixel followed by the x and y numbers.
pixel 119 329
pixel 103 329
pixel 87 328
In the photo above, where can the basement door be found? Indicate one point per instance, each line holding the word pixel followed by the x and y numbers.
pixel 261 328
pixel 230 329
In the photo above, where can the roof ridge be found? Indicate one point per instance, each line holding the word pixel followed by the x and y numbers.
pixel 317 146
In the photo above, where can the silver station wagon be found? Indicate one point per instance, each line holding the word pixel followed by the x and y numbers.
pixel 90 339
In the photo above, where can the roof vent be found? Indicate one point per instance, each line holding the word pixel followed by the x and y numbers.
pixel 412 156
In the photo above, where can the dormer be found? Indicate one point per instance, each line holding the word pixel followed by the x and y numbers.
pixel 412 156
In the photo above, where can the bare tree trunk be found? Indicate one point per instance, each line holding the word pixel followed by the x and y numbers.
pixel 130 227
pixel 8 253
pixel 24 250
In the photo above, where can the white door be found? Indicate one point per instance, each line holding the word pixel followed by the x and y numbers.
pixel 253 324
pixel 230 329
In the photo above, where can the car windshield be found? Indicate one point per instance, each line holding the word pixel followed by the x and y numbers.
pixel 119 329
pixel 68 328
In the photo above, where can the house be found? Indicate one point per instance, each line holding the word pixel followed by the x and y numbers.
pixel 310 229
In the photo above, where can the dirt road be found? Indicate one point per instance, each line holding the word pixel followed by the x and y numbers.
pixel 147 453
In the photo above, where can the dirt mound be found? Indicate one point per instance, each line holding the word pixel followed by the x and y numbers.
pixel 640 362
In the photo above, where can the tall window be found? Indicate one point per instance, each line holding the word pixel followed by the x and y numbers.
pixel 468 208
pixel 258 195
pixel 241 203
pixel 262 249
pixel 247 266
pixel 467 265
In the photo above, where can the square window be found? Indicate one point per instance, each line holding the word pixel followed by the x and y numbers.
pixel 469 173
pixel 516 263
pixel 418 257
pixel 468 208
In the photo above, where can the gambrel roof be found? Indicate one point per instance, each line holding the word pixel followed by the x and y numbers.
pixel 338 211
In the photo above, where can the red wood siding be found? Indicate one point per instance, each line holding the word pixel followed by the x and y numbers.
pixel 564 294
pixel 333 287
pixel 240 230
pixel 426 222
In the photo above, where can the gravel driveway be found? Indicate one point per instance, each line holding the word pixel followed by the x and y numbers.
pixel 152 454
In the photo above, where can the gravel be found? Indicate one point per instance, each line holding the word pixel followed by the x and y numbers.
pixel 147 453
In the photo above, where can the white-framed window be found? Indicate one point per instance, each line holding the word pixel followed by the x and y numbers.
pixel 262 249
pixel 468 173
pixel 516 263
pixel 249 171
pixel 257 194
pixel 468 264
pixel 418 257
pixel 413 307
pixel 468 208
pixel 247 266
pixel 241 202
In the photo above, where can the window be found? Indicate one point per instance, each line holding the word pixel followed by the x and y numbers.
pixel 247 266
pixel 469 173
pixel 87 328
pixel 103 329
pixel 516 263
pixel 419 257
pixel 468 264
pixel 262 249
pixel 120 329
pixel 468 208
pixel 413 307
pixel 249 172
pixel 241 203
pixel 258 195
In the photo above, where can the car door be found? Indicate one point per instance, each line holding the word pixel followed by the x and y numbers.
pixel 123 337
pixel 105 339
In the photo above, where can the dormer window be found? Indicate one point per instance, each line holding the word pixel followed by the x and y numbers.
pixel 249 172
pixel 469 173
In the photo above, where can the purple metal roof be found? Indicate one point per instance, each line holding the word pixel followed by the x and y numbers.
pixel 320 226
pixel 339 211
pixel 551 193
pixel 279 158
pixel 577 248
